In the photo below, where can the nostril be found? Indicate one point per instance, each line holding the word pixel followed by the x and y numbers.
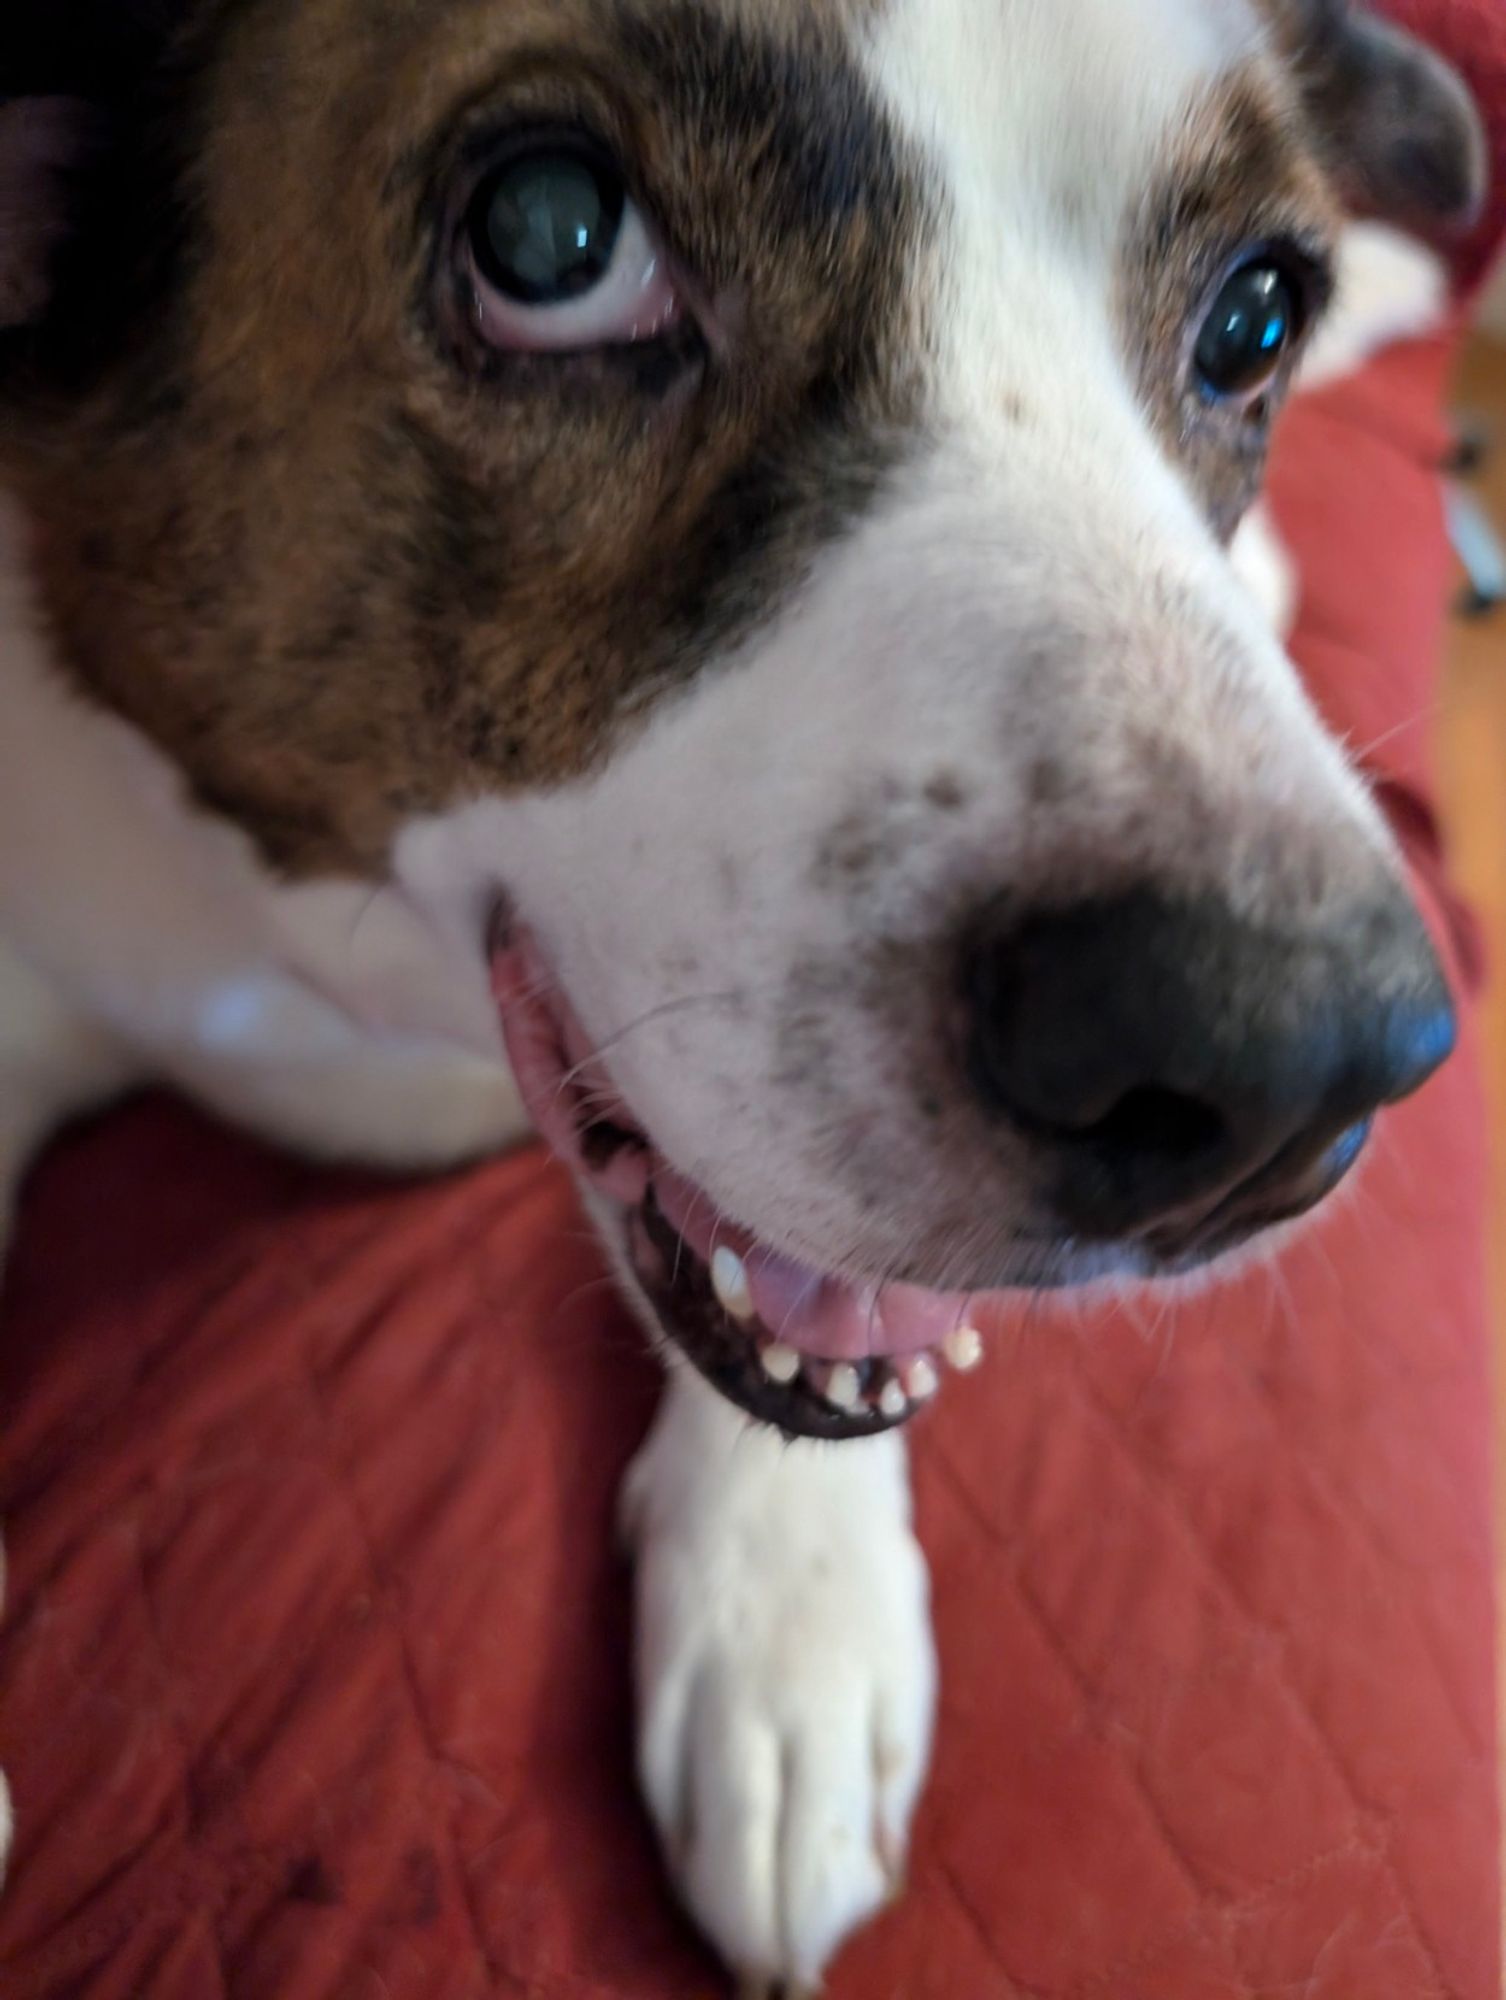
pixel 1160 1055
pixel 1159 1127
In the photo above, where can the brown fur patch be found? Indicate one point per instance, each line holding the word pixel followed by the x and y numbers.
pixel 344 566
pixel 1240 177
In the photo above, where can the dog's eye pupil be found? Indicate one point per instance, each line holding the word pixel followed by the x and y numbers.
pixel 543 228
pixel 1245 337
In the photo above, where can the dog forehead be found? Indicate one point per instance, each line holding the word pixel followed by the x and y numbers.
pixel 1050 129
pixel 1053 112
pixel 1012 69
pixel 996 77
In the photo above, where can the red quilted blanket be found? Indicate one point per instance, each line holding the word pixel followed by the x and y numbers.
pixel 313 1684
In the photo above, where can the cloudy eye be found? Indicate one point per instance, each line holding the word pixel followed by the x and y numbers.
pixel 561 256
pixel 1254 322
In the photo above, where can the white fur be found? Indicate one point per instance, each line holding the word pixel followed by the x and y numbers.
pixel 1264 565
pixel 1390 289
pixel 1054 578
pixel 792 1105
pixel 786 1677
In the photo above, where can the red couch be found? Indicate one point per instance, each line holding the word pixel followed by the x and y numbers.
pixel 313 1684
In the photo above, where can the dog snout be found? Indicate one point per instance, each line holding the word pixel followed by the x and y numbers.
pixel 1185 1076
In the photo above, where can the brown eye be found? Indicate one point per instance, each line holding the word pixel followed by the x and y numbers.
pixel 1253 323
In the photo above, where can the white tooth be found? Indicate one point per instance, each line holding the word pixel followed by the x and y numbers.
pixel 729 1280
pixel 964 1349
pixel 844 1391
pixel 921 1380
pixel 894 1402
pixel 780 1363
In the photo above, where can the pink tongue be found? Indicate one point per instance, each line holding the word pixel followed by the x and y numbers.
pixel 818 1316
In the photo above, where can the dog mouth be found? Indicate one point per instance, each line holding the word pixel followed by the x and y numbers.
pixel 813 1355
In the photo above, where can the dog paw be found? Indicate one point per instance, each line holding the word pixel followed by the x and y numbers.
pixel 786 1681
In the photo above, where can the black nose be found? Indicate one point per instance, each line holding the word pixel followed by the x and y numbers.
pixel 1184 1072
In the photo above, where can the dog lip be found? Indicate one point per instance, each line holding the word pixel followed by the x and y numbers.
pixel 576 1105
pixel 569 1095
pixel 747 1349
pixel 679 1287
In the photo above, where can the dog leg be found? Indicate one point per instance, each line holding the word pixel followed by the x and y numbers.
pixel 301 1075
pixel 786 1679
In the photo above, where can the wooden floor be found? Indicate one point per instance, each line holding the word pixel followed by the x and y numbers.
pixel 1472 750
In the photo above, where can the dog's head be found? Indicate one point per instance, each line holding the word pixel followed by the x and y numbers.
pixel 726 501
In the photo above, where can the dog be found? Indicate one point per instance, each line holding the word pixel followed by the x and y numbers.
pixel 661 570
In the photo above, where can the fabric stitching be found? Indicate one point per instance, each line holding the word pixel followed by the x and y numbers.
pixel 985 1937
pixel 1225 1584
pixel 381 1587
pixel 1350 1508
pixel 1091 1706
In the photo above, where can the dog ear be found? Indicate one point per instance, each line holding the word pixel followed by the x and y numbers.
pixel 71 72
pixel 41 141
pixel 1399 130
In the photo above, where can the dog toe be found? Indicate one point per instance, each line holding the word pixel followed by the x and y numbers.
pixel 786 1685
pixel 780 1860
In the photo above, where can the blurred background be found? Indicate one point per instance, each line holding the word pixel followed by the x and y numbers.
pixel 1472 747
